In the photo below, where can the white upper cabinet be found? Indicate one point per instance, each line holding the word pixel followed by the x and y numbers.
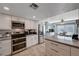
pixel 27 24
pixel 18 19
pixel 14 18
pixel 32 25
pixel 5 22
pixel 21 19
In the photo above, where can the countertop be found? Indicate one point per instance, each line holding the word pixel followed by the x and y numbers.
pixel 73 43
pixel 31 35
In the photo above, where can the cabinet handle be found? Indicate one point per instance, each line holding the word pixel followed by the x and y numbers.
pixel 54 50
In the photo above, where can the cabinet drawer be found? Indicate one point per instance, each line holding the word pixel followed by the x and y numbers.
pixel 74 51
pixel 5 47
pixel 63 47
pixel 58 45
pixel 51 44
pixel 5 51
pixel 63 52
pixel 59 49
pixel 5 43
pixel 50 52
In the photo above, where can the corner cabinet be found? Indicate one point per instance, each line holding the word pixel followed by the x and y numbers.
pixel 5 22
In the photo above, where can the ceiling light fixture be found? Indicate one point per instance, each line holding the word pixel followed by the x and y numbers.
pixel 6 8
pixel 34 16
pixel 34 6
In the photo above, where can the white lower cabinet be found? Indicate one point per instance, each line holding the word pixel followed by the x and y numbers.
pixel 31 40
pixel 74 51
pixel 5 47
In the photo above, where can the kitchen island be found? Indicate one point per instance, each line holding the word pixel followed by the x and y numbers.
pixel 61 47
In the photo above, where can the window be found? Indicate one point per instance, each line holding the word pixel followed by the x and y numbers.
pixel 65 31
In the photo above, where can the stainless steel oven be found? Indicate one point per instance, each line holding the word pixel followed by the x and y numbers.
pixel 18 37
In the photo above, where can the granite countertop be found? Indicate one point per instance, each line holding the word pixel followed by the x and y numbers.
pixel 73 43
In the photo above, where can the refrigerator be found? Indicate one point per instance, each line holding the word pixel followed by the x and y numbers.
pixel 40 34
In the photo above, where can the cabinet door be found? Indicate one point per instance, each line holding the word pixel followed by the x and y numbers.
pixel 31 40
pixel 14 18
pixel 74 51
pixel 35 25
pixel 57 49
pixel 28 41
pixel 5 47
pixel 31 25
pixel 35 39
pixel 5 21
pixel 27 24
pixel 19 19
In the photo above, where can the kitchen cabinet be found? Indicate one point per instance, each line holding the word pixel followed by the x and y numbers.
pixel 27 24
pixel 74 51
pixel 33 25
pixel 5 47
pixel 31 40
pixel 14 18
pixel 53 48
pixel 5 22
pixel 35 39
pixel 19 19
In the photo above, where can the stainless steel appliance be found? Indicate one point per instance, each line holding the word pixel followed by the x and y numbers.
pixel 40 34
pixel 18 37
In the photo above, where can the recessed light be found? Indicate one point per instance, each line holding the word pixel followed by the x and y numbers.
pixel 6 8
pixel 34 16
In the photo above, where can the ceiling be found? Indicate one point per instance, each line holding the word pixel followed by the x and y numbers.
pixel 44 11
